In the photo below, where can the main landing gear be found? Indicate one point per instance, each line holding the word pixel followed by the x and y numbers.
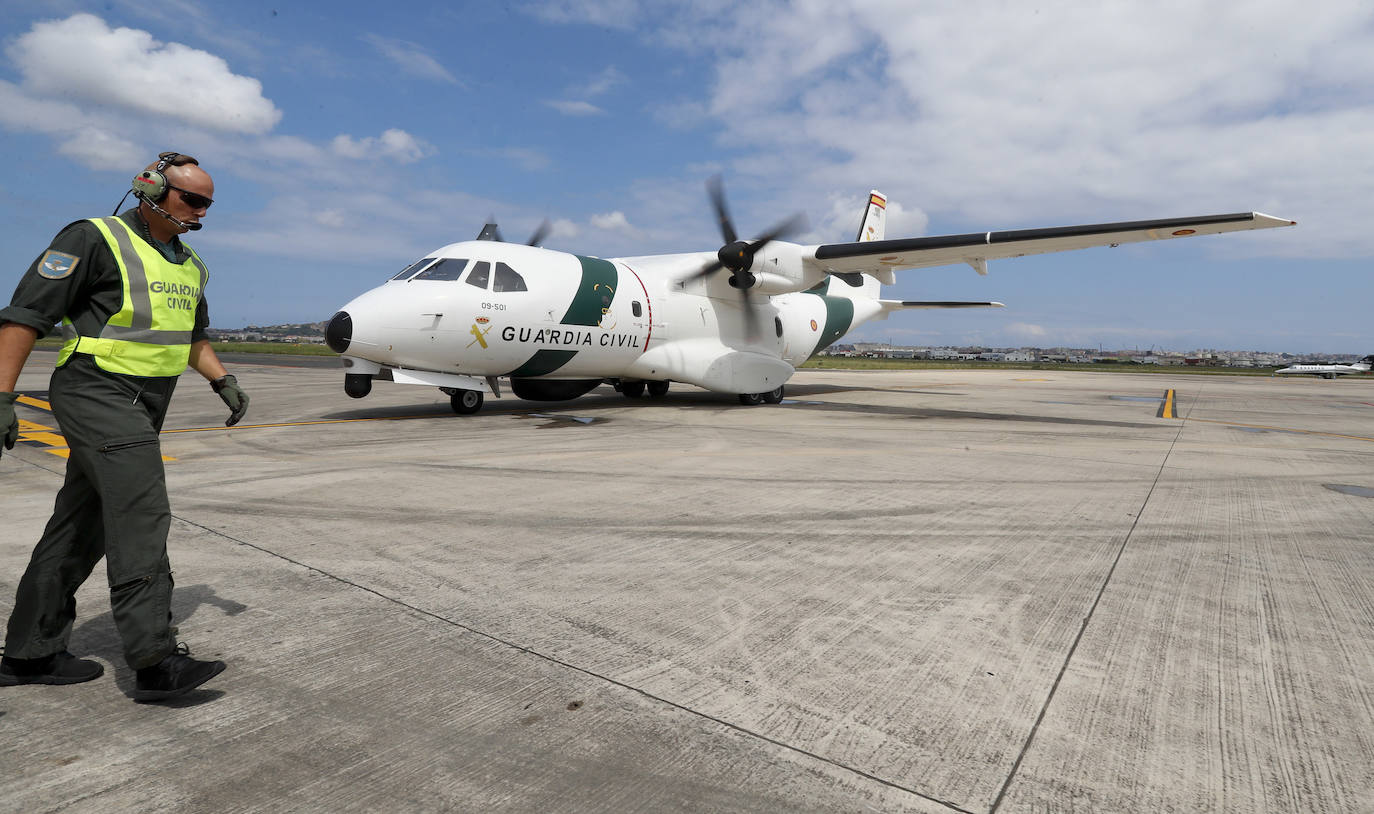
pixel 773 396
pixel 633 389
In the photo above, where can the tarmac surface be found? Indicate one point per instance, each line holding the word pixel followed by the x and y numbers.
pixel 928 591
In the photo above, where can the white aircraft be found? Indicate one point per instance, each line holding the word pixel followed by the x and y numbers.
pixel 1330 371
pixel 738 320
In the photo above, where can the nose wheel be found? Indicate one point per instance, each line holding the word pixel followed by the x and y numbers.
pixel 466 402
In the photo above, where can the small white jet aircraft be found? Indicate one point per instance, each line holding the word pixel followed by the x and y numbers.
pixel 1330 371
pixel 738 320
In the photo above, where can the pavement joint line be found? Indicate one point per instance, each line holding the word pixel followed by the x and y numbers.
pixel 590 673
pixel 1282 429
pixel 1092 609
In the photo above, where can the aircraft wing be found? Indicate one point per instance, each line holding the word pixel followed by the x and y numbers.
pixel 879 257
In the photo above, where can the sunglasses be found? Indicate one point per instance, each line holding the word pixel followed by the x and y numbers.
pixel 193 199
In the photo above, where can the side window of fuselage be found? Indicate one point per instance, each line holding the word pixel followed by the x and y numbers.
pixel 507 279
pixel 450 268
pixel 481 273
pixel 636 309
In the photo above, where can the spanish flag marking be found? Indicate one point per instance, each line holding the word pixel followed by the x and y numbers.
pixel 878 201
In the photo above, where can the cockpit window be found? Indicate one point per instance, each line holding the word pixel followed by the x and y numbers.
pixel 404 274
pixel 507 279
pixel 449 268
pixel 481 272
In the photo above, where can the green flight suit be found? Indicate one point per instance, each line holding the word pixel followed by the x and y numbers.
pixel 113 503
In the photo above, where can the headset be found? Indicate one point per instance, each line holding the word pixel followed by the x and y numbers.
pixel 150 186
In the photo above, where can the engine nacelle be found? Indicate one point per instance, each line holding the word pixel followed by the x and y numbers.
pixel 778 269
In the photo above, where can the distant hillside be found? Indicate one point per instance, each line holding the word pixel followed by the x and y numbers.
pixel 271 333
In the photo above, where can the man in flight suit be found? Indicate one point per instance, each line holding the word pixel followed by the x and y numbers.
pixel 129 296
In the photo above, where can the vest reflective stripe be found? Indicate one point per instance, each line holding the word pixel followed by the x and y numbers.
pixel 149 336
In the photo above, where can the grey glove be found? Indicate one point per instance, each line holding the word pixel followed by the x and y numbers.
pixel 9 422
pixel 228 389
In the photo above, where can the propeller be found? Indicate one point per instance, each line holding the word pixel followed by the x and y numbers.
pixel 540 233
pixel 738 255
pixel 493 232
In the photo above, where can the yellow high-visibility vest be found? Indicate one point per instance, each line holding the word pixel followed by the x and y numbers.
pixel 151 334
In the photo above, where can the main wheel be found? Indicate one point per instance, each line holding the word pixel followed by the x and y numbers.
pixel 658 390
pixel 773 396
pixel 632 390
pixel 750 399
pixel 466 402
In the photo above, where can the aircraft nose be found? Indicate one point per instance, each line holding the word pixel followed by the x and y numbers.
pixel 339 332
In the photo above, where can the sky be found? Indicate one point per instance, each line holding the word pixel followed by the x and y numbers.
pixel 347 140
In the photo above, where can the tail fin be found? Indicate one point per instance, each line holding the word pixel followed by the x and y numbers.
pixel 873 227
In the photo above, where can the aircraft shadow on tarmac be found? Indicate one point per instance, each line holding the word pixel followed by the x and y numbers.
pixel 581 412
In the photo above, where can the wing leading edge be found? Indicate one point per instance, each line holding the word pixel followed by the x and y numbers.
pixel 880 257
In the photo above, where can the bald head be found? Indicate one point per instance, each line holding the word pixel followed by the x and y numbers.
pixel 190 190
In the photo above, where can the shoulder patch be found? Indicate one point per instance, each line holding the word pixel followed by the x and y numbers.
pixel 55 265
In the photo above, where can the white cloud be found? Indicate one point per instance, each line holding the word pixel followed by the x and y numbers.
pixel 125 69
pixel 562 228
pixel 393 144
pixel 575 108
pixel 411 58
pixel 1025 330
pixel 609 13
pixel 990 115
pixel 577 104
pixel 612 222
pixel 609 78
pixel 525 158
pixel 99 148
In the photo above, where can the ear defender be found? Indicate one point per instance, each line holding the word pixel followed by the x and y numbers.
pixel 152 184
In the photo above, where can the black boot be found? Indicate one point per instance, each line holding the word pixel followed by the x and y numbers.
pixel 59 668
pixel 176 674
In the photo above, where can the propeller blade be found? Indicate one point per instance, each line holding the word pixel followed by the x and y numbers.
pixel 791 226
pixel 490 232
pixel 716 190
pixel 540 233
pixel 706 271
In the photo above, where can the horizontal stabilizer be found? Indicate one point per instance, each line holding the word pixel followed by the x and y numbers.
pixel 894 305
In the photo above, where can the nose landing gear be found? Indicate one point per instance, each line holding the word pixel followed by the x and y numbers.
pixel 466 402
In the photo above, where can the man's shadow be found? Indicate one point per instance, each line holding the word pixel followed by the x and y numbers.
pixel 98 636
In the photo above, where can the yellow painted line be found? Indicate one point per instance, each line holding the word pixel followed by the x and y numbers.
pixel 307 423
pixel 1166 410
pixel 53 441
pixel 33 402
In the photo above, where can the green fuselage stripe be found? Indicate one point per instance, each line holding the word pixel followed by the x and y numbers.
pixel 591 302
pixel 839 316
pixel 543 362
pixel 594 296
